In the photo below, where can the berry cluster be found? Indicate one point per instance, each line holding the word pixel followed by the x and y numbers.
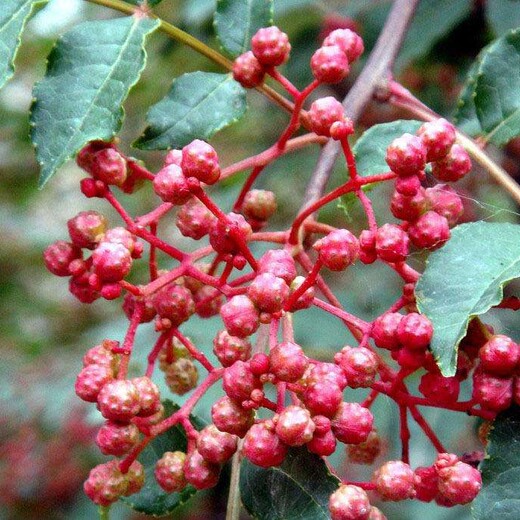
pixel 252 295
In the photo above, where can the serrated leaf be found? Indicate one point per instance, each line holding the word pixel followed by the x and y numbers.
pixel 499 498
pixel 503 15
pixel 13 15
pixel 299 489
pixel 463 279
pixel 198 105
pixel 89 74
pixel 497 89
pixel 465 116
pixel 236 21
pixel 152 499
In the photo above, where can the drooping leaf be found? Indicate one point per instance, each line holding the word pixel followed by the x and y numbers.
pixel 465 116
pixel 465 278
pixel 198 105
pixel 503 15
pixel 152 499
pixel 90 72
pixel 13 15
pixel 499 498
pixel 299 489
pixel 236 21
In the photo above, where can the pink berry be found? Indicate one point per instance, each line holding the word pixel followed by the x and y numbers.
pixel 348 41
pixel 305 300
pixel 259 205
pixel 111 261
pixel 349 503
pixel 329 64
pixel 200 160
pixel 173 157
pixel 445 201
pixel 323 113
pixel 117 439
pixel 439 389
pixel 338 250
pixel 86 155
pixel 240 316
pixel 129 303
pixel 175 303
pixel 263 447
pixel 408 186
pixel 215 446
pixel 359 364
pixel 438 137
pixel 406 155
pixel 384 330
pixel 408 207
pixel 352 423
pixel 323 398
pixel 430 231
pixel 230 417
pixel 248 71
pixel 120 235
pixel 109 166
pixel 105 484
pixel 326 372
pixel 392 243
pixel 426 483
pixel 91 380
pixel 208 301
pixel 194 220
pixel 415 331
pixel 500 355
pixel 270 46
pixel 278 262
pixel 492 392
pixel 169 471
pixel 238 381
pixel 259 364
pixel 376 514
pixel 82 290
pixel 323 444
pixel 59 255
pixel 134 478
pixel 409 359
pixel 200 473
pixel 367 451
pixel 454 166
pixel 101 355
pixel 181 376
pixel 229 349
pixel 86 229
pixel 268 292
pixel 149 395
pixel 288 361
pixel 295 426
pixel 223 236
pixel 119 400
pixel 459 483
pixel 367 245
pixel 394 481
pixel 170 184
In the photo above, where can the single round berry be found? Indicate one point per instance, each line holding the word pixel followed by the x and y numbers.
pixel 263 447
pixel 105 484
pixel 86 229
pixel 170 184
pixel 149 395
pixel 230 417
pixel 194 220
pixel 238 381
pixel 394 481
pixel 415 331
pixel 229 349
pixel 323 444
pixel 384 330
pixel 322 397
pixel 173 157
pixel 329 64
pixel 492 392
pixel 200 473
pixel 119 400
pixel 409 207
pixel 268 292
pixel 392 243
pixel 408 186
pixel 338 250
pixel 349 503
pixel 111 261
pixel 181 376
pixel 86 155
pixel 459 483
pixel 278 262
pixel 348 41
pixel 438 137
pixel 240 316
pixel 359 364
pixel 323 113
pixel 109 166
pixel 288 361
pixel 270 46
pixel 406 155
pixel 430 231
pixel 248 71
pixel 208 301
pixel 439 389
pixel 129 306
pixel 352 423
pixel 326 372
pixel 426 483
pixel 120 235
pixel 500 355
pixel 294 426
pixel 445 201
pixel 101 355
pixel 215 446
pixel 175 303
pixel 367 451
pixel 82 290
pixel 134 478
pixel 259 205
pixel 200 160
pixel 91 380
pixel 59 255
pixel 454 166
pixel 117 439
pixel 169 471
pixel 224 236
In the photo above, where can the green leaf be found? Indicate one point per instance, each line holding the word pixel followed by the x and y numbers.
pixel 497 89
pixel 13 15
pixel 465 116
pixel 464 279
pixel 90 72
pixel 152 499
pixel 198 105
pixel 499 498
pixel 236 21
pixel 299 489
pixel 503 15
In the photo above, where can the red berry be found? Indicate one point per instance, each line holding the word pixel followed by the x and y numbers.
pixel 394 481
pixel 359 364
pixel 200 473
pixel 430 231
pixel 454 166
pixel 415 331
pixel 367 244
pixel 406 155
pixel 500 355
pixel 117 439
pixel 323 113
pixel 409 359
pixel 120 235
pixel 86 229
pixel 259 364
pixel 352 423
pixel 59 255
pixel 129 303
pixel 101 355
pixel 169 471
pixel 173 157
pixel 248 71
pixel 408 186
pixel 326 372
pixel 259 205
pixel 175 303
pixel 268 292
pixel 238 381
pixel 294 426
pixel 270 46
pixel 263 447
pixel 459 483
pixel 134 478
pixel 240 316
pixel 229 349
pixel 91 380
pixel 408 207
pixel 86 155
pixel 392 243
pixel 323 397
pixel 194 220
pixel 492 392
pixel 367 451
pixel 109 166
pixel 288 361
pixel 439 389
pixel 438 137
pixel 305 300
pixel 223 235
pixel 329 64
pixel 230 417
pixel 111 261
pixel 105 484
pixel 200 160
pixel 349 503
pixel 81 289
pixel 149 395
pixel 208 301
pixel 323 444
pixel 384 330
pixel 445 201
pixel 215 446
pixel 170 184
pixel 338 250
pixel 278 262
pixel 426 483
pixel 348 41
pixel 119 400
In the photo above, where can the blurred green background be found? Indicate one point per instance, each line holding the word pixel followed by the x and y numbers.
pixel 45 433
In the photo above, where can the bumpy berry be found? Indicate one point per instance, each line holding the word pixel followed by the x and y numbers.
pixel 173 157
pixel 59 255
pixel 109 166
pixel 294 426
pixel 367 451
pixel 406 155
pixel 326 372
pixel 415 331
pixel 215 446
pixel 323 444
pixel 248 71
pixel 492 392
pixel 392 243
pixel 200 473
pixel 86 155
pixel 394 481
pixel 349 503
pixel 430 231
pixel 230 417
pixel 238 381
pixel 438 137
pixel 408 207
pixel 111 261
pixel 101 355
pixel 208 301
pixel 181 376
pixel 348 41
pixel 367 245
pixel 200 160
pixel 263 447
pixel 229 349
pixel 149 395
pixel 270 46
pixel 329 64
pixel 259 205
pixel 459 483
pixel 91 380
pixel 134 478
pixel 359 364
pixel 105 483
pixel 278 262
pixel 408 186
pixel 338 250
pixel 384 330
pixel 169 471
pixel 129 302
pixel 170 184
pixel 352 423
pixel 175 303
pixel 445 201
pixel 439 389
pixel 323 113
pixel 288 361
pixel 119 400
pixel 268 292
pixel 116 438
pixel 82 290
pixel 240 316
pixel 194 220
pixel 223 235
pixel 323 397
pixel 454 166
pixel 426 483
pixel 306 299
pixel 120 235
pixel 86 229
pixel 500 355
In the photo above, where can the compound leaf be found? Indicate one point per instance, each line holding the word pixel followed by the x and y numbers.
pixel 465 278
pixel 236 21
pixel 89 74
pixel 198 105
pixel 500 495
pixel 299 489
